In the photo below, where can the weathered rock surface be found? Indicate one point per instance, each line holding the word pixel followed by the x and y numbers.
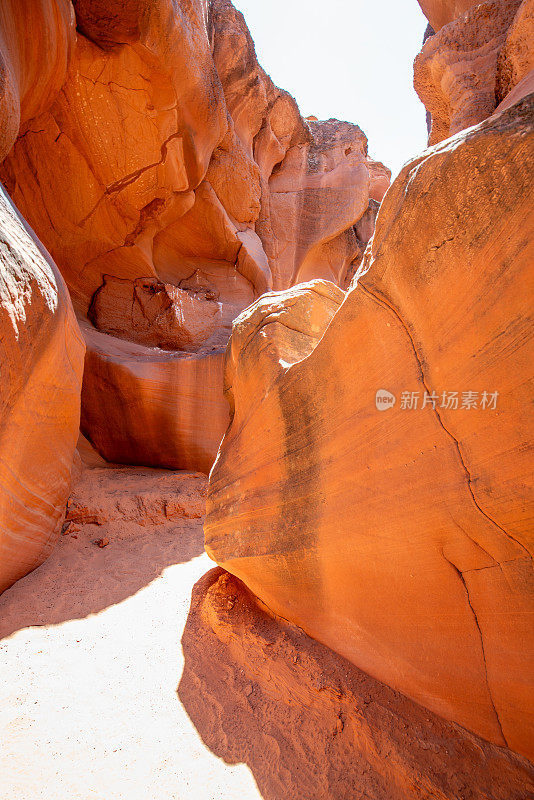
pixel 456 72
pixel 402 538
pixel 36 41
pixel 516 58
pixel 41 358
pixel 441 12
pixel 168 154
pixel 311 725
pixel 154 313
pixel 112 501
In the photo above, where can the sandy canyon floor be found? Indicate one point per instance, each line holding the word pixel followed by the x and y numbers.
pixel 90 658
pixel 132 668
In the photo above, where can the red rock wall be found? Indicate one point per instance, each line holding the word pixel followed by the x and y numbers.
pixel 41 348
pixel 41 358
pixel 402 538
pixel 169 156
pixel 469 66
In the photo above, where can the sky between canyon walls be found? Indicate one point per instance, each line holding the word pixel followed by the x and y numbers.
pixel 348 59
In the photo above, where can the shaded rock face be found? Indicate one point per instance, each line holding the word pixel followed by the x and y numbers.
pixel 402 537
pixel 154 313
pixel 469 66
pixel 167 153
pixel 41 358
pixel 309 724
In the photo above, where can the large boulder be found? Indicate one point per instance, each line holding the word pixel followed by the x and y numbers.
pixel 41 356
pixel 310 725
pixel 400 535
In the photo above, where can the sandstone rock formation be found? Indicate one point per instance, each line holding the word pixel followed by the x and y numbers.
pixel 169 158
pixel 36 41
pixel 401 538
pixel 112 502
pixel 310 725
pixel 167 407
pixel 41 358
pixel 515 64
pixel 440 12
pixel 472 63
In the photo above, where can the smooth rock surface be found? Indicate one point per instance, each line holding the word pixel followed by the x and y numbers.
pixel 161 409
pixel 41 358
pixel 311 725
pixel 37 38
pixel 400 537
pixel 168 154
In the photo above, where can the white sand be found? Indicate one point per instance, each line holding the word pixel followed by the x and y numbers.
pixel 88 703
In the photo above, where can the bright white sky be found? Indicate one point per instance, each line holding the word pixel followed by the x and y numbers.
pixel 348 59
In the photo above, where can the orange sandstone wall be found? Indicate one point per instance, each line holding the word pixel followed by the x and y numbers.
pixel 399 533
pixel 173 184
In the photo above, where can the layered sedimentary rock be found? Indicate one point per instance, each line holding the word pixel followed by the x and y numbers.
pixel 41 358
pixel 37 38
pixel 515 65
pixel 166 407
pixel 173 183
pixel 112 502
pixel 41 348
pixel 374 483
pixel 474 62
pixel 310 725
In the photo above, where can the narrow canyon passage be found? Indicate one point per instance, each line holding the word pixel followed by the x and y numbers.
pixel 138 670
pixel 266 474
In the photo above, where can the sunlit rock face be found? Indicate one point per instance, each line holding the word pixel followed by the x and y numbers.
pixel 474 62
pixel 311 725
pixel 399 534
pixel 37 39
pixel 441 12
pixel 167 155
pixel 41 358
pixel 41 348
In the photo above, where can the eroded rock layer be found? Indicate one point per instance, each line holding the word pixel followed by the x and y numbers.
pixel 473 62
pixel 402 537
pixel 168 159
pixel 41 360
pixel 311 725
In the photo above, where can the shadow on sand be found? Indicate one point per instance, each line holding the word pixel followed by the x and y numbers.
pixel 311 726
pixel 80 578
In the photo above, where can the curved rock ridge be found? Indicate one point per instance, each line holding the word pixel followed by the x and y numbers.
pixel 469 66
pixel 37 38
pixel 169 158
pixel 41 357
pixel 375 483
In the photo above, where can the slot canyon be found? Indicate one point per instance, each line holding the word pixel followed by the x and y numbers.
pixel 266 471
